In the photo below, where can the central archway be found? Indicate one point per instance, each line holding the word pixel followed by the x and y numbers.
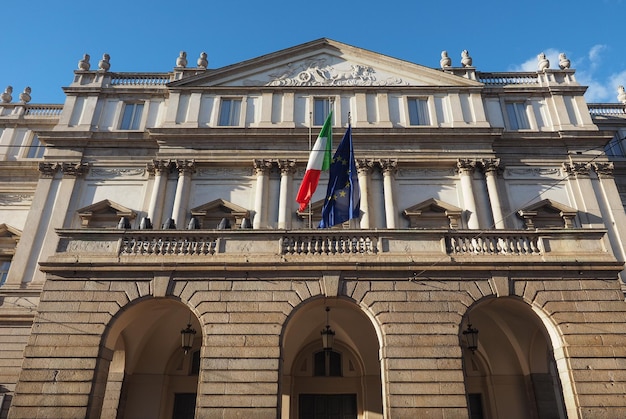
pixel 346 380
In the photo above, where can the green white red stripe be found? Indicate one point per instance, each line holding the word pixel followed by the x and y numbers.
pixel 319 160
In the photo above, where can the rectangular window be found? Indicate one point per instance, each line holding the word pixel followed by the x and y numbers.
pixel 518 118
pixel 321 109
pixel 230 111
pixel 131 119
pixel 36 149
pixel 418 112
pixel 4 271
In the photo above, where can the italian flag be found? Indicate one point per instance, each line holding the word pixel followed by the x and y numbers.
pixel 319 160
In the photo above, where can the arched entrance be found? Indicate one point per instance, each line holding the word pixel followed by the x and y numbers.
pixel 343 382
pixel 513 372
pixel 149 374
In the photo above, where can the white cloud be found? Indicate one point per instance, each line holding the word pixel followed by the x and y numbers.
pixel 532 64
pixel 595 51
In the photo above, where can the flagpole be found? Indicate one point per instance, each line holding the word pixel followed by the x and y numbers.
pixel 309 217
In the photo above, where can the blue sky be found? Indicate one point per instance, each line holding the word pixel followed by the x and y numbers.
pixel 42 40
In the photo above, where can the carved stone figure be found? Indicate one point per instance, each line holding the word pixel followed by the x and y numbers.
pixel 544 63
pixel 181 61
pixel 466 60
pixel 104 64
pixel 84 63
pixel 445 60
pixel 6 96
pixel 621 94
pixel 25 95
pixel 202 61
pixel 563 61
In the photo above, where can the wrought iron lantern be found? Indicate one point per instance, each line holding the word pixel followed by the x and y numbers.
pixel 471 337
pixel 328 334
pixel 187 335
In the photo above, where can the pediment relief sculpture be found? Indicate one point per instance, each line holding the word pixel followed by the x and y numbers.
pixel 318 72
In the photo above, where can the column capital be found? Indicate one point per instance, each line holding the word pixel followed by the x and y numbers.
pixel 48 169
pixel 579 169
pixel 159 166
pixel 185 166
pixel 364 166
pixel 74 169
pixel 491 166
pixel 286 166
pixel 262 166
pixel 466 166
pixel 604 170
pixel 388 166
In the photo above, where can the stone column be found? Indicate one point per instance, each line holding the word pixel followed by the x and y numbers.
pixel 287 169
pixel 611 209
pixel 466 171
pixel 181 199
pixel 389 168
pixel 364 168
pixel 491 168
pixel 262 169
pixel 160 169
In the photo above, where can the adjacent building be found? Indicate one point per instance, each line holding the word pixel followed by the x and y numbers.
pixel 155 264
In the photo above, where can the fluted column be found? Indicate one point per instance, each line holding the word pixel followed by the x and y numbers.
pixel 491 168
pixel 262 169
pixel 466 169
pixel 287 169
pixel 364 168
pixel 389 167
pixel 160 169
pixel 181 199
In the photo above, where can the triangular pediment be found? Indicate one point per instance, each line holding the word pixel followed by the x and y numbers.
pixel 104 214
pixel 211 214
pixel 9 236
pixel 433 213
pixel 548 214
pixel 324 62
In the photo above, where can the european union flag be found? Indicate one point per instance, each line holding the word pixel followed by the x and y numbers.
pixel 343 196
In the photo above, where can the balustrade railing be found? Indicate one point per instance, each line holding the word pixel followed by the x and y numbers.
pixel 493 244
pixel 607 109
pixel 334 245
pixel 146 246
pixel 140 79
pixel 503 79
pixel 43 110
pixel 328 244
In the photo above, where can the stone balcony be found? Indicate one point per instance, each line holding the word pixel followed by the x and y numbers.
pixel 99 249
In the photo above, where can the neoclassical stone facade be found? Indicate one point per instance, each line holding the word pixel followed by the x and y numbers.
pixel 156 263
